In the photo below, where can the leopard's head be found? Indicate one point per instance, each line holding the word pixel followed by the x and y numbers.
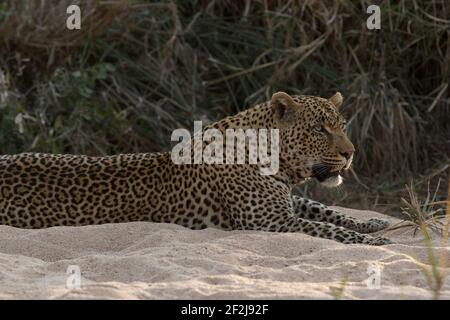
pixel 313 139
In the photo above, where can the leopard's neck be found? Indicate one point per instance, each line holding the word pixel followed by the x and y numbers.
pixel 258 117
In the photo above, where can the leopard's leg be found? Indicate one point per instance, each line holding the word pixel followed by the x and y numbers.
pixel 273 211
pixel 286 221
pixel 312 210
pixel 330 231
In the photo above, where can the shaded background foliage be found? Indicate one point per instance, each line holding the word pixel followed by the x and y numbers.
pixel 139 69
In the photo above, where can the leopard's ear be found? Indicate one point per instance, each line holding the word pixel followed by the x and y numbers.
pixel 283 106
pixel 337 99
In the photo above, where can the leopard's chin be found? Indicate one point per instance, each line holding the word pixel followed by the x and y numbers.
pixel 332 181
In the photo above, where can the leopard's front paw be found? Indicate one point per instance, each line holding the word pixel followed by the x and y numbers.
pixel 374 225
pixel 379 223
pixel 378 241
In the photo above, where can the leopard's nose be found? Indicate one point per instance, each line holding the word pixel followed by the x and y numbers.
pixel 346 154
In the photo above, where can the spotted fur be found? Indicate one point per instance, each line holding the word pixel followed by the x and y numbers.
pixel 44 190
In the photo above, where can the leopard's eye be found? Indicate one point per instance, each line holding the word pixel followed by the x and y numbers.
pixel 318 127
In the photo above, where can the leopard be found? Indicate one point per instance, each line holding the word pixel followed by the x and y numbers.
pixel 42 190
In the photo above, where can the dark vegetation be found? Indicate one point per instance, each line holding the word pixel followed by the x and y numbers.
pixel 138 69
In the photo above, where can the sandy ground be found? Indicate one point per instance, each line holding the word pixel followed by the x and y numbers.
pixel 162 261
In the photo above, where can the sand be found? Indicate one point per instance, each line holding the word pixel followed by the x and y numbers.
pixel 163 261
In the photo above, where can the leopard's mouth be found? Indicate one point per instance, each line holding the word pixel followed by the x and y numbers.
pixel 321 172
pixel 327 177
